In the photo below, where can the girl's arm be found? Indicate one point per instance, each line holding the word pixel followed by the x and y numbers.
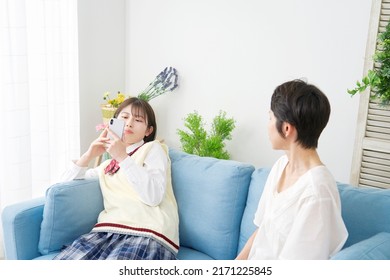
pixel 78 169
pixel 75 172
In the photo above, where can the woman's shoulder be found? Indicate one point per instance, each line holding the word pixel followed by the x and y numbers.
pixel 321 181
pixel 156 146
pixel 322 174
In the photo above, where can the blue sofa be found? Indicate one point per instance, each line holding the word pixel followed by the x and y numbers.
pixel 216 199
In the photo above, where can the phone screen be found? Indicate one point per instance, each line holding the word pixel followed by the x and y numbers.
pixel 117 126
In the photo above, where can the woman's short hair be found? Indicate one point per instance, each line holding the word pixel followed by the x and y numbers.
pixel 140 107
pixel 305 107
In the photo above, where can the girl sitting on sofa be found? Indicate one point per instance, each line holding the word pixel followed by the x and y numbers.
pixel 140 216
pixel 299 213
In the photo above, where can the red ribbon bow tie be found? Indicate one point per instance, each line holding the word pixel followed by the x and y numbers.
pixel 113 166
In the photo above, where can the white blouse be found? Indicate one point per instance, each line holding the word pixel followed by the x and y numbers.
pixel 303 222
pixel 149 180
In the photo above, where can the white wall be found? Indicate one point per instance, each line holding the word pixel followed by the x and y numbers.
pixel 231 54
pixel 101 59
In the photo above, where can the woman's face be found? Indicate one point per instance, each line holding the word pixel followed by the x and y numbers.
pixel 277 141
pixel 136 125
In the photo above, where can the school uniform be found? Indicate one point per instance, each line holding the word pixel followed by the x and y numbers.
pixel 140 217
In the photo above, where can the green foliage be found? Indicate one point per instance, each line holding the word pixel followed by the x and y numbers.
pixel 378 79
pixel 199 142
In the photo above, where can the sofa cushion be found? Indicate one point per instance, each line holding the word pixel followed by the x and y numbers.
pixel 211 196
pixel 70 210
pixel 259 177
pixel 191 254
pixel 376 247
pixel 364 211
pixel 47 257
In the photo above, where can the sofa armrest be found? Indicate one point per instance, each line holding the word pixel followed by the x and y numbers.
pixel 21 227
pixel 376 247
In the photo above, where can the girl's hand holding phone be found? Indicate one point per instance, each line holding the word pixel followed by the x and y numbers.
pixel 116 147
pixel 96 148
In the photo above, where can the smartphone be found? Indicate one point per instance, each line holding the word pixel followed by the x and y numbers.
pixel 117 126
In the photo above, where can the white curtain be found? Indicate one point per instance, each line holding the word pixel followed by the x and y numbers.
pixel 39 105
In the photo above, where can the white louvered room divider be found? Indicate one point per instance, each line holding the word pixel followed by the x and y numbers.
pixel 371 160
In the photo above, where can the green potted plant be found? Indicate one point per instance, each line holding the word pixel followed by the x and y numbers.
pixel 378 79
pixel 198 141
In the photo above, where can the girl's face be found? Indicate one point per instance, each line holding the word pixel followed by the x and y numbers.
pixel 136 125
pixel 277 141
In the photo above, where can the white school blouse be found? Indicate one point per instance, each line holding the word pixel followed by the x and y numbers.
pixel 149 180
pixel 303 222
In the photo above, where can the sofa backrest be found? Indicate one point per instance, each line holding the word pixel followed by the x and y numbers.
pixel 259 177
pixel 211 196
pixel 366 211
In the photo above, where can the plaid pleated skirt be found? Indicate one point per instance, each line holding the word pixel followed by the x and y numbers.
pixel 114 246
